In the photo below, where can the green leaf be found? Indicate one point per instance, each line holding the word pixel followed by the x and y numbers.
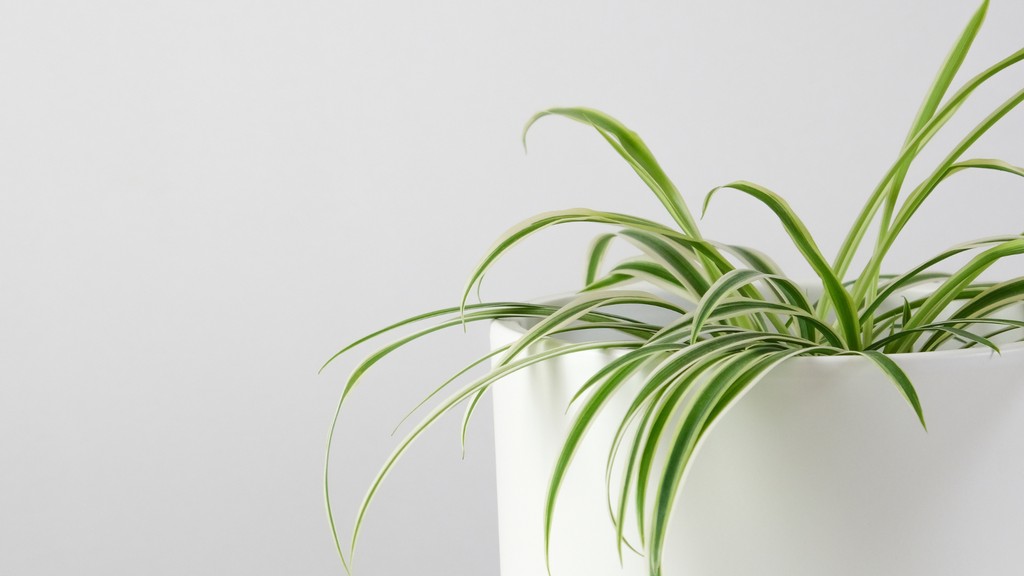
pixel 530 226
pixel 645 270
pixel 983 163
pixel 993 334
pixel 595 255
pixel 917 274
pixel 722 287
pixel 684 441
pixel 938 328
pixel 849 323
pixel 921 193
pixel 889 318
pixel 947 71
pixel 736 307
pixel 437 390
pixel 672 398
pixel 899 378
pixel 948 291
pixel 985 303
pixel 647 350
pixel 578 429
pixel 468 414
pixel 629 145
pixel 632 462
pixel 368 362
pixel 754 259
pixel 420 317
pixel 790 294
pixel 579 307
pixel 939 119
pixel 991 300
pixel 634 329
pixel 931 102
pixel 464 393
pixel 614 281
pixel 743 384
pixel 671 258
pixel 518 311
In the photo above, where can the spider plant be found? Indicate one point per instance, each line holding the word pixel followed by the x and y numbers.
pixel 745 316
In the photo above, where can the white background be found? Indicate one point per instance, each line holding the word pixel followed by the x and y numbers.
pixel 200 202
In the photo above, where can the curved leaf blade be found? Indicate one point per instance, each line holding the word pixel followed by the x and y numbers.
pixel 849 322
pixel 629 145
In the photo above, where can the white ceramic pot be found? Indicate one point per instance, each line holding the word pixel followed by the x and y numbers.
pixel 821 469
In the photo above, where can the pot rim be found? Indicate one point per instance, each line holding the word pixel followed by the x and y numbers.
pixel 904 358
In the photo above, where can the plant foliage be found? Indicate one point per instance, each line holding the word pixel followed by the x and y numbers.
pixel 746 316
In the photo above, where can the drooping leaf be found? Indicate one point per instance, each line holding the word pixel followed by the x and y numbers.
pixel 684 440
pixel 670 258
pixel 898 377
pixel 628 474
pixel 629 145
pixel 460 396
pixel 985 164
pixel 641 269
pixel 421 317
pixel 530 226
pixel 667 408
pixel 521 311
pixel 437 390
pixel 473 401
pixel 586 415
pixel 595 256
pixel 579 307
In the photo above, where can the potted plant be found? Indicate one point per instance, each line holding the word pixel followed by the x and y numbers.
pixel 666 362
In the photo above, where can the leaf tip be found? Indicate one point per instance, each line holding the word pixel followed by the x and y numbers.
pixel 707 200
pixel 529 123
